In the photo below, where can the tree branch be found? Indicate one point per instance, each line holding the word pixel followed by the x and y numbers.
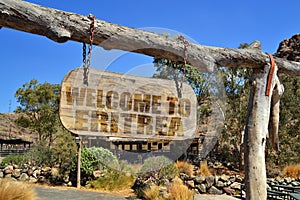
pixel 62 26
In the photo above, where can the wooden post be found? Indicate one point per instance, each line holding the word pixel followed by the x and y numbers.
pixel 256 135
pixel 79 143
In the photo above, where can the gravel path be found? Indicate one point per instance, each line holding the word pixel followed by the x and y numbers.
pixel 215 197
pixel 55 193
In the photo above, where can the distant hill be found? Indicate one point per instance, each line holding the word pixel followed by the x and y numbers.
pixel 10 130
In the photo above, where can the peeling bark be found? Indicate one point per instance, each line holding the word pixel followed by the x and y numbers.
pixel 62 26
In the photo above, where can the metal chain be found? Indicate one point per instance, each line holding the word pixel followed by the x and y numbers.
pixel 186 44
pixel 87 62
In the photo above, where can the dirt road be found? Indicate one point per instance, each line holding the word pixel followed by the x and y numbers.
pixel 54 193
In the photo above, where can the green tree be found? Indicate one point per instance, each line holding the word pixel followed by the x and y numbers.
pixel 39 105
pixel 39 111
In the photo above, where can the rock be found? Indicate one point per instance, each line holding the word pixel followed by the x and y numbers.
pixel 16 166
pixel 97 173
pixel 16 173
pixel 295 183
pixel 1 174
pixel 69 184
pixel 8 167
pixel 24 177
pixel 29 172
pixel 224 178
pixel 201 188
pixel 7 176
pixel 236 186
pixel 32 179
pixel 238 179
pixel 199 179
pixel 214 190
pixel 229 191
pixel 66 178
pixel 190 184
pixel 183 176
pixel 210 180
pixel 287 180
pixel 219 184
pixel 42 179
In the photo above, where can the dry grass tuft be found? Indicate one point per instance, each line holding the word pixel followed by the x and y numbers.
pixel 178 191
pixel 203 169
pixel 13 190
pixel 185 167
pixel 292 171
pixel 152 193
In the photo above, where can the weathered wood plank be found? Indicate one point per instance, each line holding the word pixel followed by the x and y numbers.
pixel 123 105
pixel 61 26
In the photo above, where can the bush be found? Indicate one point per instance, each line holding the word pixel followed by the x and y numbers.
pixel 152 193
pixel 13 160
pixel 132 169
pixel 94 159
pixel 203 169
pixel 104 157
pixel 112 181
pixel 292 171
pixel 178 191
pixel 155 164
pixel 185 167
pixel 41 154
pixel 160 167
pixel 12 190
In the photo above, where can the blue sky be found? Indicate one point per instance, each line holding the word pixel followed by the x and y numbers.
pixel 220 23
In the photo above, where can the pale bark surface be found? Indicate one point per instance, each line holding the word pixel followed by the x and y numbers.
pixel 61 26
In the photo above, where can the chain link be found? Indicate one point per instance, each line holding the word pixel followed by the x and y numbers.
pixel 87 62
pixel 186 44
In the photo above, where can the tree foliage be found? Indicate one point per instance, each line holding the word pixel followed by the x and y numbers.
pixel 39 105
pixel 39 111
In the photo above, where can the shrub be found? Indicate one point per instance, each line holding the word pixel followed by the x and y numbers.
pixel 13 190
pixel 185 167
pixel 13 159
pixel 41 154
pixel 112 181
pixel 104 157
pixel 132 169
pixel 152 193
pixel 178 191
pixel 160 167
pixel 292 171
pixel 203 169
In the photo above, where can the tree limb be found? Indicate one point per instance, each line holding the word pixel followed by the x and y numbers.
pixel 62 26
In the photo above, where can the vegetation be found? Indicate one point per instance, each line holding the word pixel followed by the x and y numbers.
pixel 292 171
pixel 237 89
pixel 184 167
pixel 113 180
pixel 13 159
pixel 13 190
pixel 160 166
pixel 152 193
pixel 95 159
pixel 38 111
pixel 203 169
pixel 179 191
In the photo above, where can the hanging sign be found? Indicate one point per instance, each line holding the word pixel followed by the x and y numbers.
pixel 123 105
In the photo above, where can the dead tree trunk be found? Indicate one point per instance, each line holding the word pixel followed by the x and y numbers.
pixel 61 26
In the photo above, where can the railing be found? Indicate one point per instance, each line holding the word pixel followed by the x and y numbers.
pixel 5 152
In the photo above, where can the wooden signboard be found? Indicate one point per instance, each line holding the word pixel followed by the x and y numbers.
pixel 123 105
